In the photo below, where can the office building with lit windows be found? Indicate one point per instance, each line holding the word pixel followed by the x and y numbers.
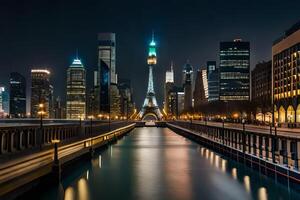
pixel 76 91
pixel 188 86
pixel 17 98
pixel 40 91
pixel 4 102
pixel 169 86
pixel 234 71
pixel 286 77
pixel 212 80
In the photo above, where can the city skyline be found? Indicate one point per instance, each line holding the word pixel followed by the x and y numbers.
pixel 37 46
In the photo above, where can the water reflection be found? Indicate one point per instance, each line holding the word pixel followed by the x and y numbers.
pixel 247 183
pixel 234 173
pixel 100 161
pixel 262 193
pixel 69 193
pixel 83 193
pixel 176 171
pixel 154 163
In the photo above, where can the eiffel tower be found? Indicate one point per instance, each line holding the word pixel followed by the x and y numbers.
pixel 150 107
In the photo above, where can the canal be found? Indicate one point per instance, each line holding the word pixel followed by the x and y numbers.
pixel 155 163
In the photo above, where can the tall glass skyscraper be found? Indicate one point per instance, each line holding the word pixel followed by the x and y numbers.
pixel 212 80
pixel 234 70
pixel 76 91
pixel 17 99
pixel 40 91
pixel 107 72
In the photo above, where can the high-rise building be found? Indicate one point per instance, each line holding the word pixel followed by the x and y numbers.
pixel 235 71
pixel 200 92
pixel 286 82
pixel 107 73
pixel 107 53
pixel 261 90
pixel 17 98
pixel 169 85
pixel 40 91
pixel 76 91
pixel 115 109
pixel 187 86
pixel 180 102
pixel 212 80
pixel 59 109
pixel 4 101
pixel 126 100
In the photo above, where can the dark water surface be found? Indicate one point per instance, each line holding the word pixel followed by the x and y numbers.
pixel 155 163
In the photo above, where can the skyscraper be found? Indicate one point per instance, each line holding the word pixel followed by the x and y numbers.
pixel 200 92
pixel 169 85
pixel 40 91
pixel 107 72
pixel 234 70
pixel 76 90
pixel 17 99
pixel 187 86
pixel 212 80
pixel 4 101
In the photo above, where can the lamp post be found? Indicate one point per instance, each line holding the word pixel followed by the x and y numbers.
pixel 270 125
pixel 56 170
pixel 243 122
pixel 91 124
pixel 41 112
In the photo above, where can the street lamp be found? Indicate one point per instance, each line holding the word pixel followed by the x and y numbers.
pixel 270 124
pixel 275 126
pixel 91 123
pixel 41 113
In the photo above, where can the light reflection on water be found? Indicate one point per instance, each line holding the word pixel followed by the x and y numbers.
pixel 155 163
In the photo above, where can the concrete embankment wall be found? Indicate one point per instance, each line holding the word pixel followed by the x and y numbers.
pixel 285 175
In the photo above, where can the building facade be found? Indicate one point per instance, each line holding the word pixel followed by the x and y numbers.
pixel 4 102
pixel 187 86
pixel 126 98
pixel 200 91
pixel 212 81
pixel 235 71
pixel 169 87
pixel 40 92
pixel 286 76
pixel 76 91
pixel 107 74
pixel 261 91
pixel 17 99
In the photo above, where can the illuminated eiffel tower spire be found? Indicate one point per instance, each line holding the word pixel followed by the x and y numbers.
pixel 150 106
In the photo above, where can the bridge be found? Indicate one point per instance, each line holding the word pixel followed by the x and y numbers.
pixel 29 154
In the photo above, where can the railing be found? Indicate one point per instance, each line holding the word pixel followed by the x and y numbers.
pixel 16 137
pixel 38 164
pixel 279 149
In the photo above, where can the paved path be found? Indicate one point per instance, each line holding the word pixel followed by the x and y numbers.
pixel 292 132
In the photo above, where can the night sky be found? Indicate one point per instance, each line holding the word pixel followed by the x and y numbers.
pixel 47 34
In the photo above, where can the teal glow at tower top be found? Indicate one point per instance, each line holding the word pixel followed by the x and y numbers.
pixel 152 49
